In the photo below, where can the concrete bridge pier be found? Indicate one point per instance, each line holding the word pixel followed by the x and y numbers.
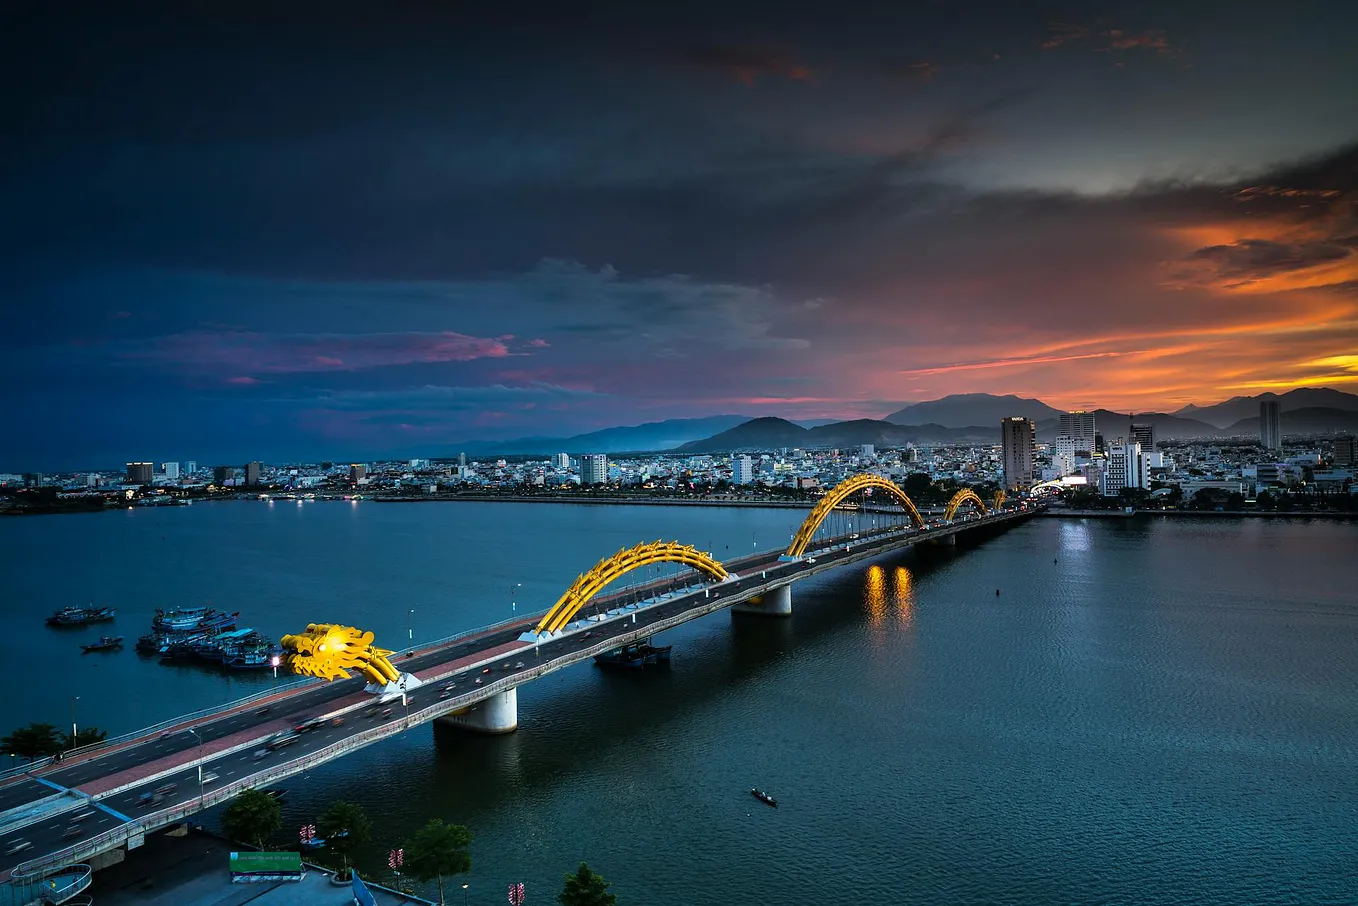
pixel 495 715
pixel 776 602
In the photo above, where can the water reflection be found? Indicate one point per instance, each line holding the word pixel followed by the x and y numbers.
pixel 874 595
pixel 903 594
pixel 882 596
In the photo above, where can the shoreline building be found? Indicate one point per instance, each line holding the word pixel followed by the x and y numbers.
pixel 252 472
pixel 742 470
pixel 594 468
pixel 1018 438
pixel 140 472
pixel 1270 425
pixel 561 461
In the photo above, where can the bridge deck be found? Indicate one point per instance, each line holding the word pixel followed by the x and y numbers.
pixel 36 809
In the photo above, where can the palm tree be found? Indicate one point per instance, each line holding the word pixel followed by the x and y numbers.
pixel 439 849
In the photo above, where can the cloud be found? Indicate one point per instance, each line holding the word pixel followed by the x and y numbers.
pixel 1248 262
pixel 921 70
pixel 1061 34
pixel 746 64
pixel 263 353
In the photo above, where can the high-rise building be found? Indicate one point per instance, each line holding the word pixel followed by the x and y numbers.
pixel 223 474
pixel 742 470
pixel 358 472
pixel 1270 425
pixel 594 468
pixel 1144 435
pixel 1079 425
pixel 140 472
pixel 190 467
pixel 561 461
pixel 1125 469
pixel 867 451
pixel 1345 451
pixel 170 470
pixel 252 470
pixel 462 460
pixel 1018 437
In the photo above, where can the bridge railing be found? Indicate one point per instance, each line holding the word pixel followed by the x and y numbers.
pixel 164 725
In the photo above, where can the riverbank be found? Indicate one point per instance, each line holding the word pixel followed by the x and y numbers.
pixel 1232 514
pixel 588 501
pixel 191 870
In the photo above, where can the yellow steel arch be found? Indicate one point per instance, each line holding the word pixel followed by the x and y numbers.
pixel 331 651
pixel 837 495
pixel 966 495
pixel 624 561
pixel 997 502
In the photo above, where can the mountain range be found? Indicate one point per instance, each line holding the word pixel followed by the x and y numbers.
pixel 959 418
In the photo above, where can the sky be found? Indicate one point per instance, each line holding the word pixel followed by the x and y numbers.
pixel 236 232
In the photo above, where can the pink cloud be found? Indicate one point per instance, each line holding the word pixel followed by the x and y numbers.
pixel 242 380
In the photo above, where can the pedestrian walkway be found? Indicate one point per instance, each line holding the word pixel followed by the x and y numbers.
pixel 192 871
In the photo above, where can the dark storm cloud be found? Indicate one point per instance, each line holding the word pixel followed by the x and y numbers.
pixel 452 221
pixel 1253 259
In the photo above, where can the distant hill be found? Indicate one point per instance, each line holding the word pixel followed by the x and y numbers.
pixel 1314 420
pixel 961 410
pixel 1113 425
pixel 1237 408
pixel 651 436
pixel 770 433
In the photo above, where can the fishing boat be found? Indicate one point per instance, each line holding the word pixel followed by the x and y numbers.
pixel 79 616
pixel 189 619
pixel 105 643
pixel 764 797
pixel 634 657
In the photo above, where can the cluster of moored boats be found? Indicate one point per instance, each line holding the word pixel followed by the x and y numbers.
pixel 210 636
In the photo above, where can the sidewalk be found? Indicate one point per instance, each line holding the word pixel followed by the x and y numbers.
pixel 192 871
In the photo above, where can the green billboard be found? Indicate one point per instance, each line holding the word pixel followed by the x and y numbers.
pixel 265 866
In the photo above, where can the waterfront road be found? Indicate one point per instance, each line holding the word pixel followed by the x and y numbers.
pixel 71 803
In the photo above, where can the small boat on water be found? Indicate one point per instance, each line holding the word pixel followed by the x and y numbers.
pixel 79 616
pixel 105 643
pixel 764 797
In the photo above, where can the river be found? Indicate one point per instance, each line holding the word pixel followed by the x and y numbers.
pixel 1151 711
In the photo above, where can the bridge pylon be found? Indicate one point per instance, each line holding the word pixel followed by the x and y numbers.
pixel 494 716
pixel 776 602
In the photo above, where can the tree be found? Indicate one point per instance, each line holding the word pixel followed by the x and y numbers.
pixel 585 888
pixel 86 736
pixel 32 741
pixel 439 849
pixel 345 827
pixel 253 817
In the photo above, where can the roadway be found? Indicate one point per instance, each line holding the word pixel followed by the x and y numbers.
pixel 231 745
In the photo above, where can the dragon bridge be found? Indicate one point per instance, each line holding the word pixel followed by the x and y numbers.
pixel 330 652
pixel 837 495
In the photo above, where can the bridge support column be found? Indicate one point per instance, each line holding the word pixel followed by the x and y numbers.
pixel 776 602
pixel 495 715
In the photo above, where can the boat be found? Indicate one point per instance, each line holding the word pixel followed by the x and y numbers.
pixel 150 643
pixel 79 616
pixel 764 797
pixel 634 657
pixel 105 643
pixel 189 619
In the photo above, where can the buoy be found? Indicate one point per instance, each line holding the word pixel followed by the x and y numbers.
pixel 997 592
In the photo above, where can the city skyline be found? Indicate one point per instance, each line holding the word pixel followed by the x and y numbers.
pixel 371 234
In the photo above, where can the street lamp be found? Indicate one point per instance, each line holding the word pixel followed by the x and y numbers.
pixel 275 661
pixel 410 627
pixel 74 699
pixel 201 797
pixel 464 895
pixel 513 606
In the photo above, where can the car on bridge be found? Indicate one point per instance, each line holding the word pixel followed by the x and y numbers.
pixel 279 740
